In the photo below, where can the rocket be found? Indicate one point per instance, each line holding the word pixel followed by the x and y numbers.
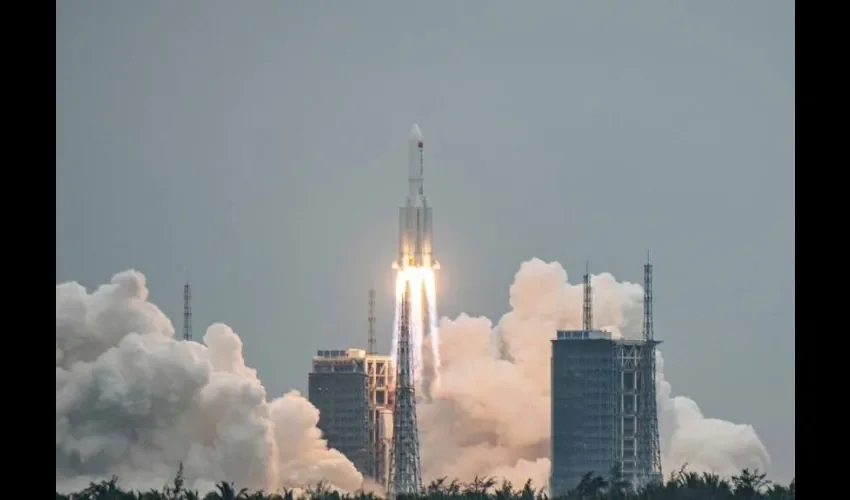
pixel 415 238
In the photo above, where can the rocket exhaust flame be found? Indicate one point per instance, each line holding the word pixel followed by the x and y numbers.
pixel 433 330
pixel 422 319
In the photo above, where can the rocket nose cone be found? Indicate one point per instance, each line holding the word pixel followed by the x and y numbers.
pixel 415 133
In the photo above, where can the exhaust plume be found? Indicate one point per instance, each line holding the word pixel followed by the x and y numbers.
pixel 490 415
pixel 422 321
pixel 132 401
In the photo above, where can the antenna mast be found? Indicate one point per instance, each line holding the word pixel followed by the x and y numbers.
pixel 187 309
pixel 587 306
pixel 648 327
pixel 648 390
pixel 371 319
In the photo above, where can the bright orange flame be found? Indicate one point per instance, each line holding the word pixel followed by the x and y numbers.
pixel 423 288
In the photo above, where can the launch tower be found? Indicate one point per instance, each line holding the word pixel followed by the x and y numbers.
pixel 406 475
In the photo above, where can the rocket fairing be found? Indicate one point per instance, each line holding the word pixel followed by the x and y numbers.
pixel 415 222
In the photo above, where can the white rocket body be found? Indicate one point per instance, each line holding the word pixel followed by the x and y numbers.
pixel 415 222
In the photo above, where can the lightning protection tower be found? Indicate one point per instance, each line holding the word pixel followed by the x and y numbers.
pixel 587 304
pixel 405 472
pixel 187 309
pixel 371 320
pixel 648 389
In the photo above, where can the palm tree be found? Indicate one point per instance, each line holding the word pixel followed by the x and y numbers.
pixel 527 492
pixel 590 486
pixel 175 491
pixel 104 490
pixel 716 485
pixel 149 495
pixel 362 495
pixel 479 487
pixel 683 485
pixel 257 495
pixel 777 492
pixel 748 484
pixel 226 491
pixel 505 492
pixel 436 487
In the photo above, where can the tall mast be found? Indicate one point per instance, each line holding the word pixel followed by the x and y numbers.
pixel 371 320
pixel 187 309
pixel 587 306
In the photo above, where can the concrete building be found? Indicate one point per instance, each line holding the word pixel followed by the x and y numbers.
pixel 353 392
pixel 339 387
pixel 600 416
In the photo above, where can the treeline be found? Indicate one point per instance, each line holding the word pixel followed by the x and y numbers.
pixel 682 485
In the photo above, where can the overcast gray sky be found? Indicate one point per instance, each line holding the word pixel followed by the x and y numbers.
pixel 263 144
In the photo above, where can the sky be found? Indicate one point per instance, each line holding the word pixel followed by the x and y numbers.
pixel 263 145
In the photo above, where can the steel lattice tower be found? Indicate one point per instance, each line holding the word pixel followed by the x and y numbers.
pixel 371 320
pixel 187 309
pixel 587 305
pixel 650 406
pixel 405 472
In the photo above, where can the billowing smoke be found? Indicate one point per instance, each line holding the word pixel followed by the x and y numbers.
pixel 134 402
pixel 490 416
pixel 704 444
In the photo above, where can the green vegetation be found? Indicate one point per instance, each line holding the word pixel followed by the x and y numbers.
pixel 682 485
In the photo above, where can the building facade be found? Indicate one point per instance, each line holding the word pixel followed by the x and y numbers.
pixel 598 415
pixel 338 386
pixel 353 392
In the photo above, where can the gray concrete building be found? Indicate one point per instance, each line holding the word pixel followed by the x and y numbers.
pixel 603 407
pixel 338 386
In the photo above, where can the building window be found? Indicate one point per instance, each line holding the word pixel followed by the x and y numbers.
pixel 629 425
pixel 628 403
pixel 629 381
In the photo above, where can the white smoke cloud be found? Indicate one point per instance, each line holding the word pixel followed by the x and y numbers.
pixel 490 416
pixel 704 444
pixel 134 402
